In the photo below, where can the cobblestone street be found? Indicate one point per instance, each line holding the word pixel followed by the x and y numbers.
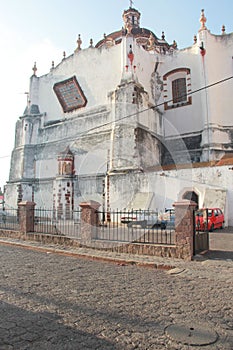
pixel 51 301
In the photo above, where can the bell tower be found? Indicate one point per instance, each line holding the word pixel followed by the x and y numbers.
pixel 131 18
pixel 63 185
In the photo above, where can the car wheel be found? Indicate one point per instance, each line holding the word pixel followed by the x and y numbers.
pixel 223 225
pixel 212 228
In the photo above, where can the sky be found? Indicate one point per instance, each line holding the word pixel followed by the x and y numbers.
pixel 40 31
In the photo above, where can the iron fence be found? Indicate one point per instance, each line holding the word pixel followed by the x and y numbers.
pixel 55 222
pixel 9 219
pixel 135 226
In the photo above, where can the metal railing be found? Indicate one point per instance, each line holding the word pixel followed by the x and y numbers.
pixel 135 226
pixel 9 219
pixel 54 222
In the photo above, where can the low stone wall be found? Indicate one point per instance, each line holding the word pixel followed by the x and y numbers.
pixel 120 247
pixel 40 237
pixel 166 251
pixel 184 235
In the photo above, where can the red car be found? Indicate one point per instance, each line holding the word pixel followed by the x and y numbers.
pixel 215 219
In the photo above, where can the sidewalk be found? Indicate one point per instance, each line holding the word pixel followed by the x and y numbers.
pixel 175 265
pixel 96 254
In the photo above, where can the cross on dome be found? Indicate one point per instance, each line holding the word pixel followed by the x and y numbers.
pixel 131 3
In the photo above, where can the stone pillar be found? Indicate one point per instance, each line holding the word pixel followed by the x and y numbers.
pixel 184 229
pixel 26 216
pixel 89 221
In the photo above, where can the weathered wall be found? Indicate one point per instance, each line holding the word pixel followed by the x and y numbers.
pixel 118 130
pixel 98 71
pixel 169 186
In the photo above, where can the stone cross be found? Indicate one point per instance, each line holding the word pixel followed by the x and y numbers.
pixel 34 69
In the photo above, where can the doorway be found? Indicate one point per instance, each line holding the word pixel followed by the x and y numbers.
pixel 192 196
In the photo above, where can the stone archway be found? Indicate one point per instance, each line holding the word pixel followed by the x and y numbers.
pixel 192 196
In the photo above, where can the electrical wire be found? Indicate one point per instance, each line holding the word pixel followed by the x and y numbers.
pixel 162 103
pixel 154 107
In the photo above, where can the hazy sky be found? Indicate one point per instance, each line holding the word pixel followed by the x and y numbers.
pixel 39 31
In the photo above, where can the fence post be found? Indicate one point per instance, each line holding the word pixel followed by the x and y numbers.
pixel 26 216
pixel 89 220
pixel 184 229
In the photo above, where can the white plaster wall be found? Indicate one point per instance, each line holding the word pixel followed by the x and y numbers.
pixel 168 187
pixel 43 194
pixel 218 64
pixel 220 136
pixel 33 90
pixel 46 168
pixel 88 188
pixel 17 167
pixel 11 196
pixel 92 162
pixel 27 192
pixel 185 119
pixel 98 71
pixel 145 64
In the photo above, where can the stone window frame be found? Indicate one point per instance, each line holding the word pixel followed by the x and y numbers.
pixel 170 100
pixel 67 92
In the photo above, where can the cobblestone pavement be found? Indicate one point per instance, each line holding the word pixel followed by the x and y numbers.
pixel 54 299
pixel 222 241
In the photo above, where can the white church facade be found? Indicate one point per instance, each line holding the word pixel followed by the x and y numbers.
pixel 132 122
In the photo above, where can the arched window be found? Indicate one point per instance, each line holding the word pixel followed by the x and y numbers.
pixel 176 88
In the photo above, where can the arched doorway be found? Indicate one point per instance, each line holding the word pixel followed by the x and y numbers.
pixel 192 196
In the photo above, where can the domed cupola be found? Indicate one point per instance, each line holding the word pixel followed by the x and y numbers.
pixel 143 37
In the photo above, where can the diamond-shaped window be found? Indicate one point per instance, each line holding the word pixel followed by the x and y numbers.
pixel 70 94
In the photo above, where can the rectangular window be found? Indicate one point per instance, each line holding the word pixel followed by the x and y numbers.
pixel 179 91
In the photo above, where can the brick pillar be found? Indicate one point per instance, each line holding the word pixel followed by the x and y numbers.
pixel 89 221
pixel 184 231
pixel 26 216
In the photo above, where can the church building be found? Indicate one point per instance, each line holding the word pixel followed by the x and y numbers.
pixel 130 122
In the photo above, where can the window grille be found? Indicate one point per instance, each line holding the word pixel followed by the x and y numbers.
pixel 179 91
